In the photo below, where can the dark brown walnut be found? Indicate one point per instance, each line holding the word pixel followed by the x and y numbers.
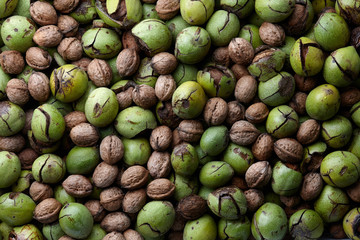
pixel 125 98
pixel 164 87
pixel 14 143
pixel 128 40
pixel 48 36
pixel 164 63
pixel 134 177
pixel 160 138
pixel 350 96
pixel 239 71
pixel 336 230
pixel 179 222
pixel 190 130
pixel 27 157
pixel 43 13
pixel 134 200
pixel 131 234
pixel 257 113
pixel 258 174
pixel 70 49
pixel 115 221
pixel 38 58
pixel 354 192
pixel 289 150
pixel 290 201
pixel 159 164
pixel 312 186
pixel 65 6
pixel 298 103
pixel 68 25
pixel 272 34
pixel 104 175
pixel 144 96
pixel 245 89
pixel 99 72
pixel 263 147
pixel 308 132
pixel 167 9
pixel 160 188
pixel 236 112
pixel 289 211
pixel 17 91
pixel 254 198
pixel 111 149
pixel 305 84
pixel 84 135
pixel 215 111
pixel 111 198
pixel 239 182
pixel 241 51
pixel 192 207
pixel 296 24
pixel 114 236
pixel 77 186
pixel 40 191
pixel 243 133
pixel 166 115
pixel 221 56
pixel 74 118
pixel 12 62
pixel 82 63
pixel 96 209
pixel 38 86
pixel 47 211
pixel 127 62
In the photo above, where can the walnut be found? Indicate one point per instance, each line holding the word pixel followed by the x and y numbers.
pixel 38 58
pixel 221 56
pixel 84 135
pixel 65 6
pixel 17 91
pixel 70 49
pixel 160 138
pixel 165 87
pixel 167 9
pixel 68 25
pixel 99 72
pixel 43 13
pixel 74 118
pixel 14 143
pixel 164 63
pixel 127 62
pixel 39 87
pixel 241 51
pixel 12 62
pixel 48 36
pixel 144 96
pixel 245 89
pixel 272 34
pixel 192 207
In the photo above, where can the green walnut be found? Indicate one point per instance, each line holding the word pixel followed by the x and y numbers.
pixel 306 57
pixel 228 203
pixel 52 231
pixel 7 7
pixel 17 32
pixel 306 224
pixel 133 120
pixel 76 220
pixel 153 36
pixel 337 131
pixel 340 169
pixel 149 11
pixel 12 118
pixel 16 209
pixel 215 174
pixel 176 25
pixel 203 156
pixel 274 11
pixel 48 168
pixel 5 230
pixel 4 79
pixel 250 32
pixel 155 219
pixel 79 105
pixel 184 159
pixel 239 157
pixel 82 160
pixel 234 229
pixel 311 153
pixel 184 186
pixel 68 83
pixel 196 12
pixel 10 168
pixel 63 108
pixel 23 182
pixel 62 196
pixel 319 5
pixel 282 121
pixel 145 73
pixel 201 228
pixel 355 113
pixel 351 224
pixel 47 124
pixel 85 12
pixel 184 73
pixel 28 231
pixel 97 233
pixel 269 222
pixel 323 102
pixel 355 143
pixel 349 10
pixel 102 43
pixel 285 181
pixel 214 140
pixel 242 8
pixel 136 151
pixel 101 107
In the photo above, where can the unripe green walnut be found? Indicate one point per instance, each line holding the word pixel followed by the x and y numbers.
pixel 234 229
pixel 273 10
pixel 242 8
pixel 201 228
pixel 306 223
pixel 351 224
pixel 282 121
pixel 337 131
pixel 214 140
pixel 196 12
pixel 215 174
pixel 12 118
pixel 28 231
pixel 48 168
pixel 10 168
pixel 7 7
pixel 184 159
pixel 285 181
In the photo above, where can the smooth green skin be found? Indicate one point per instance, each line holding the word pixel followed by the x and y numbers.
pixel 23 8
pixel 203 156
pixel 79 105
pixel 145 73
pixel 288 45
pixel 214 140
pixel 154 35
pixel 306 57
pixel 273 198
pixel 204 192
pixel 196 12
pixel 47 124
pixel 21 39
pixel 351 222
pixel 310 33
pixel 310 152
pixel 52 231
pixel 188 100
pixel 242 8
pixel 192 44
pixel 7 7
pixel 149 11
pixel 136 151
pixel 5 230
pixel 340 169
pixel 184 73
pixel 250 32
pixel 277 90
pixel 63 108
pixel 274 11
pixel 355 113
pixel 28 231
pixel 239 157
pixel 115 74
pixel 285 181
pixel 25 75
pixel 82 160
pixel 158 215
pixel 23 182
pixel 282 121
pixel 228 203
pixel 4 79
pixel 318 5
pixel 133 120
pixel 234 229
pixel 349 10
pixel 355 143
pixel 1 41
pixel 334 27
pixel 255 19
pixel 48 168
pixel 268 66
pixel 76 220
pixel 176 25
pixel 184 159
pixel 222 27
pixel 101 107
pixel 269 222
pixel 97 233
pixel 323 102
pixel 342 67
pixel 336 132
pixel 84 17
pixel 16 209
pixel 215 174
pixel 184 186
pixel 62 196
pixel 306 224
pixel 101 43
pixel 332 204
pixel 12 119
pixel 10 168
pixel 201 228
pixel 68 83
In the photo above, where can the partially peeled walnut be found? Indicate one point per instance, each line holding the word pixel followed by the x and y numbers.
pixel 301 18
